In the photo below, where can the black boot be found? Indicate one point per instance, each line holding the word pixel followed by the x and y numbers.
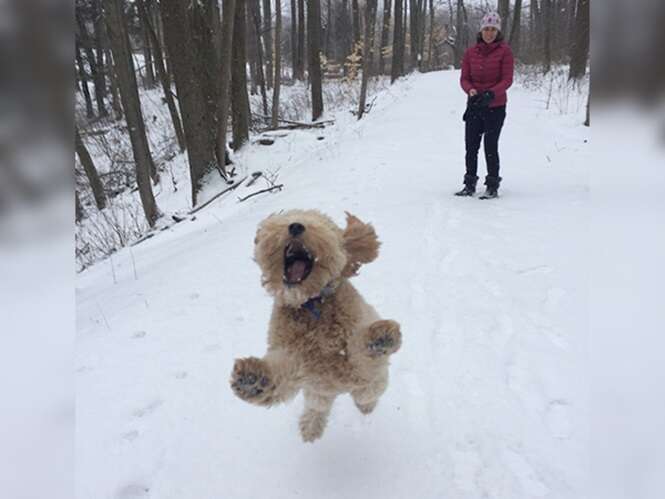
pixel 492 190
pixel 469 186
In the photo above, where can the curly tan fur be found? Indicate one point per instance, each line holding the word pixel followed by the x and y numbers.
pixel 343 348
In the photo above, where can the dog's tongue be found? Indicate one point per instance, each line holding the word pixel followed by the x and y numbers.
pixel 296 271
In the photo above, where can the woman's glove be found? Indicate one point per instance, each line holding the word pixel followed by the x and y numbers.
pixel 485 98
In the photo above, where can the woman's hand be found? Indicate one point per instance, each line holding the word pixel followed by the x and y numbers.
pixel 473 92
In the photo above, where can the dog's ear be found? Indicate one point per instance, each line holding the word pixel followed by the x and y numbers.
pixel 360 243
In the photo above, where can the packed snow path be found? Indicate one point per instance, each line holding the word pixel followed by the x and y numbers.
pixel 487 395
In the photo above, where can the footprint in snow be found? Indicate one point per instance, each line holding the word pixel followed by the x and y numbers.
pixel 133 491
pixel 148 409
pixel 130 436
pixel 557 417
pixel 181 375
pixel 139 334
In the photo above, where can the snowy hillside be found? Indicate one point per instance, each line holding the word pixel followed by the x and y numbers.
pixel 487 395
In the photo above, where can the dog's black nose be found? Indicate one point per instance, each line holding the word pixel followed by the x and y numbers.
pixel 295 229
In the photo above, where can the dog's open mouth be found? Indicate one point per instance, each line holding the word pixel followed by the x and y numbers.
pixel 298 262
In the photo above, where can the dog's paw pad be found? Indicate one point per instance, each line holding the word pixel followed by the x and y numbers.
pixel 250 379
pixel 384 338
pixel 366 408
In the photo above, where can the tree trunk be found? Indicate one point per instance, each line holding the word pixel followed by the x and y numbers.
pixel 385 34
pixel 113 83
pixel 548 21
pixel 370 18
pixel 314 41
pixel 254 14
pixel 130 102
pixel 516 28
pixel 355 15
pixel 327 39
pixel 430 49
pixel 97 77
pixel 422 17
pixel 164 77
pixel 78 209
pixel 397 64
pixel 239 97
pixel 278 63
pixel 503 9
pixel 251 48
pixel 570 23
pixel 90 170
pixel 149 80
pixel 228 24
pixel 267 40
pixel 190 46
pixel 301 40
pixel 460 37
pixel 579 52
pixel 294 39
pixel 98 25
pixel 84 82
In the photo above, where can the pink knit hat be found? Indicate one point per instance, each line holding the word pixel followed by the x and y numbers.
pixel 491 20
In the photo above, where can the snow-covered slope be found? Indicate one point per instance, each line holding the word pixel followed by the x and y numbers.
pixel 487 396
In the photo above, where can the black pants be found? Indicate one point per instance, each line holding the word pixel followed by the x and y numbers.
pixel 487 122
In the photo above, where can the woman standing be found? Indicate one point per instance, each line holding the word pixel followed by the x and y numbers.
pixel 487 72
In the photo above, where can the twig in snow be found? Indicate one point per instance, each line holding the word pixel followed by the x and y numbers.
pixel 131 253
pixel 230 188
pixel 255 176
pixel 274 187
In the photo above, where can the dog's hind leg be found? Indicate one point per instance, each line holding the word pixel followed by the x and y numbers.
pixel 314 418
pixel 367 396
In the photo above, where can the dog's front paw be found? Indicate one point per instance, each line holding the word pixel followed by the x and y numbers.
pixel 251 381
pixel 384 338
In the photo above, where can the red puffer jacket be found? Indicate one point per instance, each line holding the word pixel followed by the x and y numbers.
pixel 488 67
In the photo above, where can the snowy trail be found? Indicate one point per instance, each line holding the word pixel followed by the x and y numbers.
pixel 486 396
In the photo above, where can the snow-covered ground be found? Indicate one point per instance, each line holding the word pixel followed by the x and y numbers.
pixel 487 397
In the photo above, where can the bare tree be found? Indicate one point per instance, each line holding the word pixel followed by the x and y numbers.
pixel 90 170
pixel 228 23
pixel 548 21
pixel 113 84
pixel 83 78
pixel 254 14
pixel 78 209
pixel 462 34
pixel 370 19
pixel 314 51
pixel 278 63
pixel 190 46
pixel 267 40
pixel 98 26
pixel 149 80
pixel 397 64
pixel 164 77
pixel 239 97
pixel 503 9
pixel 385 34
pixel 516 28
pixel 130 102
pixel 430 49
pixel 97 76
pixel 355 15
pixel 294 38
pixel 579 50
pixel 300 61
